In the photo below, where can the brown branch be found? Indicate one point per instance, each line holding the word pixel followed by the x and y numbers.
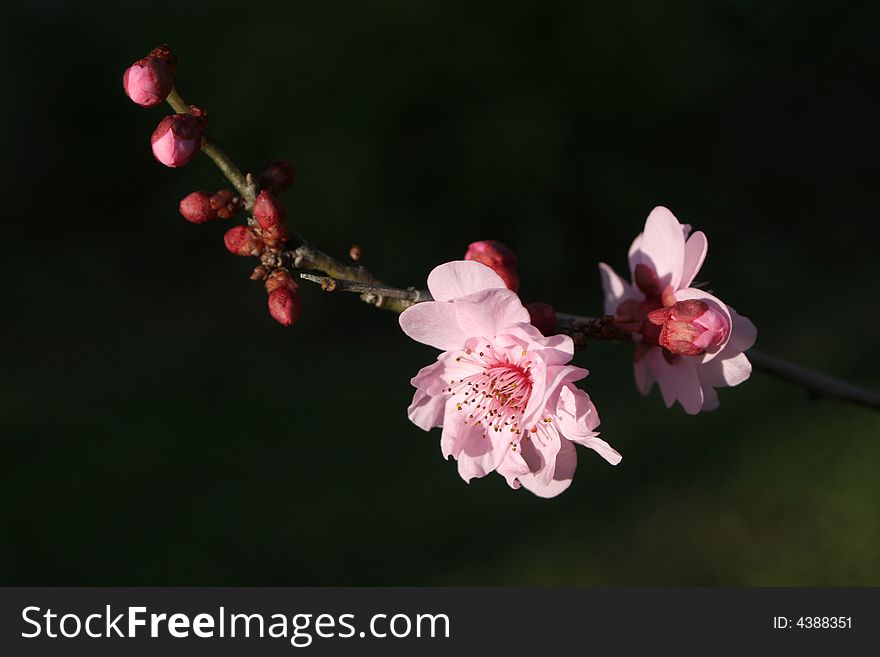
pixel 333 275
pixel 584 329
pixel 816 384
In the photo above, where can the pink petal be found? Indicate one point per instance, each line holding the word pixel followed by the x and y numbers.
pixel 426 411
pixel 455 431
pixel 614 287
pixel 489 312
pixel 602 448
pixel 726 371
pixel 576 413
pixel 433 323
pixel 695 250
pixel 678 381
pixel 566 463
pixel 461 278
pixel 742 334
pixel 546 387
pixel 643 376
pixel 481 453
pixel 661 247
pixel 710 398
pixel 512 467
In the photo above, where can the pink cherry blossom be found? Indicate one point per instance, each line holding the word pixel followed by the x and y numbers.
pixel 503 393
pixel 688 341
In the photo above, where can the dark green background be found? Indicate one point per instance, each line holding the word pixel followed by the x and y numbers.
pixel 157 427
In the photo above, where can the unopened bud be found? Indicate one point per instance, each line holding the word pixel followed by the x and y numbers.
pixel 267 210
pixel 260 273
pixel 687 328
pixel 284 306
pixel 276 236
pixel 496 255
pixel 197 208
pixel 543 317
pixel 242 241
pixel 277 177
pixel 226 203
pixel 280 278
pixel 178 138
pixel 149 80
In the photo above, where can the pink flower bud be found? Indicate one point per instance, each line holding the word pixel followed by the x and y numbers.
pixel 178 138
pixel 284 306
pixel 280 278
pixel 149 80
pixel 277 177
pixel 226 203
pixel 197 208
pixel 497 256
pixel 242 241
pixel 543 317
pixel 267 210
pixel 687 328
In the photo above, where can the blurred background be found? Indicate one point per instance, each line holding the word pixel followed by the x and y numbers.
pixel 157 427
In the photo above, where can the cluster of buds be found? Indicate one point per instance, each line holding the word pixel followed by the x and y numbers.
pixel 201 207
pixel 175 142
pixel 500 259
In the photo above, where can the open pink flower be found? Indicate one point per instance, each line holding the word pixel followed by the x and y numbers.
pixel 688 341
pixel 503 393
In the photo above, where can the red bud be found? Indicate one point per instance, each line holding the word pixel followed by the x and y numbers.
pixel 277 177
pixel 178 138
pixel 284 306
pixel 280 278
pixel 149 80
pixel 496 255
pixel 267 210
pixel 242 241
pixel 543 317
pixel 197 208
pixel 226 203
pixel 276 236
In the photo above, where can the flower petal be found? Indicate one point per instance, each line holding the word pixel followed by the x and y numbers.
pixel 426 411
pixel 643 376
pixel 576 413
pixel 742 333
pixel 615 288
pixel 461 278
pixel 726 371
pixel 695 250
pixel 433 323
pixel 566 463
pixel 481 453
pixel 489 312
pixel 661 247
pixel 602 448
pixel 678 381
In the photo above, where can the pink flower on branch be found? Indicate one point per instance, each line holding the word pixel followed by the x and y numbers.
pixel 688 341
pixel 503 393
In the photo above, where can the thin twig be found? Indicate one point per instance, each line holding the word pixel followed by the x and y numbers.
pixel 334 275
pixel 816 384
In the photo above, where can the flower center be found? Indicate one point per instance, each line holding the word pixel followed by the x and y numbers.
pixel 495 395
